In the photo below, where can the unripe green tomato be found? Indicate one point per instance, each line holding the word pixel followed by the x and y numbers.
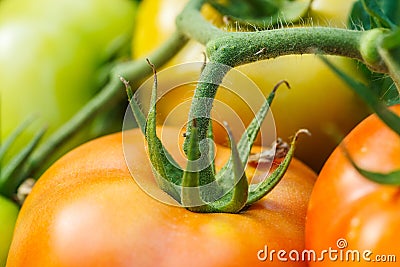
pixel 319 100
pixel 51 57
pixel 8 217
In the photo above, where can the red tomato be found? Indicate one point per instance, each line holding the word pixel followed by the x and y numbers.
pixel 345 206
pixel 86 210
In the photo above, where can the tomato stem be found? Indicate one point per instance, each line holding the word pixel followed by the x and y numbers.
pixel 238 48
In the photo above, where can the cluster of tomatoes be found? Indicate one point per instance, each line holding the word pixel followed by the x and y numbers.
pixel 86 210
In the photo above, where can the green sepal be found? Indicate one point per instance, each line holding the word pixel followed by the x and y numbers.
pixel 235 200
pixel 263 13
pixel 247 140
pixel 249 136
pixel 258 191
pixel 165 170
pixel 370 98
pixel 198 188
pixel 137 112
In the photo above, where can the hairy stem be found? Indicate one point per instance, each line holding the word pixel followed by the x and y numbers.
pixel 191 23
pixel 240 48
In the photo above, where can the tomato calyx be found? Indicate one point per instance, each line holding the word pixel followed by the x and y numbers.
pixel 199 188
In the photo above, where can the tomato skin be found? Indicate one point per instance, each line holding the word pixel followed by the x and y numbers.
pixel 51 55
pixel 8 216
pixel 318 99
pixel 86 210
pixel 346 205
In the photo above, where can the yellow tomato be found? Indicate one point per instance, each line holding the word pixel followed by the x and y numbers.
pixel 318 101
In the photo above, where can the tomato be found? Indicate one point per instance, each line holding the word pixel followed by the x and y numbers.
pixel 346 206
pixel 8 216
pixel 86 210
pixel 318 101
pixel 51 59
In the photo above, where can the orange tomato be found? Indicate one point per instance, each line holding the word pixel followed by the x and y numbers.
pixel 345 206
pixel 87 210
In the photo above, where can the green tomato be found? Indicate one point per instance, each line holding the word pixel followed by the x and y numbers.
pixel 52 56
pixel 8 217
pixel 51 59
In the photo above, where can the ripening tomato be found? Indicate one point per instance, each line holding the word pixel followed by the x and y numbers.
pixel 348 212
pixel 87 210
pixel 318 101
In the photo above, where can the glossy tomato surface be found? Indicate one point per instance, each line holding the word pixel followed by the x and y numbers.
pixel 345 206
pixel 87 210
pixel 318 101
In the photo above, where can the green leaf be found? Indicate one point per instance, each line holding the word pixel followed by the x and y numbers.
pixel 391 178
pixel 369 97
pixel 13 136
pixel 369 14
pixel 382 84
pixel 359 18
pixel 389 50
pixel 392 9
pixel 262 13
pixel 377 14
